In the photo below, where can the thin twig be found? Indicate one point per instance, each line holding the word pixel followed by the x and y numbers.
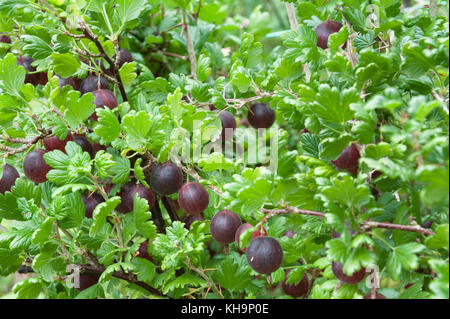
pixel 191 50
pixel 364 225
pixel 94 38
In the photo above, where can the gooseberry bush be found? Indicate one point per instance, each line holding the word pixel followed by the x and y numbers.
pixel 225 149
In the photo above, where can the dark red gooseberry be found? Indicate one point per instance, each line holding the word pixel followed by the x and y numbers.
pixel 243 122
pixel 96 147
pixel 296 290
pixel 91 201
pixel 264 254
pixel 166 178
pixel 377 296
pixel 375 175
pixel 143 251
pixel 43 78
pixel 103 97
pixel 224 225
pixel 355 278
pixel 260 232
pixel 427 224
pixel 324 30
pixel 289 233
pixel 336 234
pixel 348 159
pixel 193 198
pixel 5 39
pixel 125 56
pixel 228 125
pixel 87 281
pixel 93 83
pixel 190 219
pixel 84 144
pixel 8 178
pixel 33 78
pixel 260 115
pixel 35 167
pixel 68 81
pixel 55 143
pixel 127 196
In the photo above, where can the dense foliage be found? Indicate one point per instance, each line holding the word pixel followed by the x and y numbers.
pixel 347 195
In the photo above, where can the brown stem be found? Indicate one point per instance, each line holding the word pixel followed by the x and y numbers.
pixel 191 50
pixel 364 225
pixel 27 144
pixel 170 209
pixel 89 269
pixel 94 38
pixel 157 216
pixel 174 55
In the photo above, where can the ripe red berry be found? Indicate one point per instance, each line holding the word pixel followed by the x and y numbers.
pixel 103 97
pixel 91 201
pixel 377 296
pixel 289 233
pixel 87 281
pixel 260 232
pixel 348 159
pixel 5 39
pixel 296 290
pixel 260 115
pixel 125 56
pixel 228 125
pixel 55 143
pixel 92 83
pixel 33 78
pixel 166 178
pixel 43 78
pixel 190 219
pixel 427 224
pixel 127 196
pixel 96 147
pixel 8 178
pixel 68 81
pixel 84 144
pixel 35 167
pixel 355 278
pixel 324 30
pixel 143 251
pixel 193 198
pixel 224 225
pixel 336 234
pixel 264 254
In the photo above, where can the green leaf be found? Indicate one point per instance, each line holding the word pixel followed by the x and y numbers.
pixel 100 213
pixel 233 274
pixel 136 127
pixel 78 109
pixel 42 233
pixel 128 73
pixel 345 191
pixel 403 257
pixel 28 288
pixel 203 67
pixel 142 218
pixel 108 126
pixel 65 64
pixel 439 285
pixel 440 239
pixel 145 269
pixel 12 76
